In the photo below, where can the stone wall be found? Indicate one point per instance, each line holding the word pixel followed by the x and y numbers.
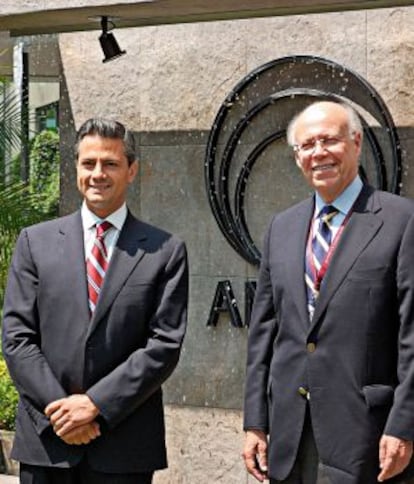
pixel 168 89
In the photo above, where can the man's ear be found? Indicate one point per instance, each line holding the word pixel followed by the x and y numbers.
pixel 133 170
pixel 297 159
pixel 358 141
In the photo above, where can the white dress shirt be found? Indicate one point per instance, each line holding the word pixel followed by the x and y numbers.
pixel 89 221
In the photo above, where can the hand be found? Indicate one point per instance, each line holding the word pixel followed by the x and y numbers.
pixel 394 456
pixel 82 434
pixel 68 413
pixel 255 454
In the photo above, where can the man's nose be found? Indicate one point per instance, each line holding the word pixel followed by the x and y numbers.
pixel 98 170
pixel 319 147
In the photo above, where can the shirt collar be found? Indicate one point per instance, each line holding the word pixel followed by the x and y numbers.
pixel 117 218
pixel 345 200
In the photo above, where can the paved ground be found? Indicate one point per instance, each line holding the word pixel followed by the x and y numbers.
pixel 8 479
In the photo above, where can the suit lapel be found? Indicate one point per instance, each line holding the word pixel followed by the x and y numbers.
pixel 362 227
pixel 73 258
pixel 296 238
pixel 127 253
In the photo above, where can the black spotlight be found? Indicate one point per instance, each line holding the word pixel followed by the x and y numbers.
pixel 108 42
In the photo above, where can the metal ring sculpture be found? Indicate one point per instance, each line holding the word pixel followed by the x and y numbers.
pixel 293 79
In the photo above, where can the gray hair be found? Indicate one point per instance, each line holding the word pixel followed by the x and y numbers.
pixel 107 128
pixel 354 121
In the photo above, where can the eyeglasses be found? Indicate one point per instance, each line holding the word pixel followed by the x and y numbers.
pixel 308 147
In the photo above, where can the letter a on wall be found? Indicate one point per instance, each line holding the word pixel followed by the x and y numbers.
pixel 224 301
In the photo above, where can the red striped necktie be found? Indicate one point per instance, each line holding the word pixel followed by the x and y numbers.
pixel 97 264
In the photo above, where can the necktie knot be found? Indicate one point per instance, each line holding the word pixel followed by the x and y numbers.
pixel 102 228
pixel 327 213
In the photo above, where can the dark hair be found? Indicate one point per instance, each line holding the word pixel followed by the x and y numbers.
pixel 107 128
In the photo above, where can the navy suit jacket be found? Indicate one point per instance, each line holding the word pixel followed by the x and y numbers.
pixel 356 357
pixel 120 357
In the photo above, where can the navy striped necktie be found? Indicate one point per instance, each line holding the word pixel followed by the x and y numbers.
pixel 320 244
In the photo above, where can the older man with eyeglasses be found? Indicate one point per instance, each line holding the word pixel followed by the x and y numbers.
pixel 330 371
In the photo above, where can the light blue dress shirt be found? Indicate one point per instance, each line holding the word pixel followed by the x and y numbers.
pixel 343 203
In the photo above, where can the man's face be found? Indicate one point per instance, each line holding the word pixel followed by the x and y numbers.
pixel 103 173
pixel 329 154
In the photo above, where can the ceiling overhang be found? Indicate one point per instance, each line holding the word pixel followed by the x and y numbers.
pixel 25 20
pixel 157 12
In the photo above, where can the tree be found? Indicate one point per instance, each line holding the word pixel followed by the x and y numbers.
pixel 10 127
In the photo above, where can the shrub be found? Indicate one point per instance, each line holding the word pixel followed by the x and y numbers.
pixel 8 399
pixel 18 208
pixel 44 170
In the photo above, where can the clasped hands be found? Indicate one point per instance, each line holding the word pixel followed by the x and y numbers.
pixel 73 419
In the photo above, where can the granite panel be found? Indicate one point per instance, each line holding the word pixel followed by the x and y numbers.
pixel 212 365
pixel 204 446
pixel 389 59
pixel 187 71
pixel 173 195
pixel 337 36
pixel 407 149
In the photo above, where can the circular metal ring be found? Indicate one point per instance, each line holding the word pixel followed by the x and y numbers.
pixel 296 77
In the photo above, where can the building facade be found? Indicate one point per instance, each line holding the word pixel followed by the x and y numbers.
pixel 168 89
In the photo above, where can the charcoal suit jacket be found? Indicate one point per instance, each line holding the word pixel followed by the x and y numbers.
pixel 120 357
pixel 353 364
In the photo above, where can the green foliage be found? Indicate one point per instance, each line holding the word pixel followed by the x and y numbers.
pixel 44 171
pixel 8 399
pixel 17 210
pixel 10 122
pixel 21 205
pixel 14 169
pixel 11 130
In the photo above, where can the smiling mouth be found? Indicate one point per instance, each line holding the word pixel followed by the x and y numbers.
pixel 327 167
pixel 101 187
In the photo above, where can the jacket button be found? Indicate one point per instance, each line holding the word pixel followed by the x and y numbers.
pixel 304 393
pixel 311 347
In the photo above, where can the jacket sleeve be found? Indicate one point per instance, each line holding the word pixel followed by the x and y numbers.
pixel 262 332
pixel 400 419
pixel 128 385
pixel 31 373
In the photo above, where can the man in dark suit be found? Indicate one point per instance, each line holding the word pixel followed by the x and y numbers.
pixel 93 325
pixel 330 373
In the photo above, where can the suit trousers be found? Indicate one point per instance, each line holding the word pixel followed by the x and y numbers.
pixel 79 474
pixel 306 469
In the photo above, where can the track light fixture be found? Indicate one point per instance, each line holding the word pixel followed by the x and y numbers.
pixel 108 42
